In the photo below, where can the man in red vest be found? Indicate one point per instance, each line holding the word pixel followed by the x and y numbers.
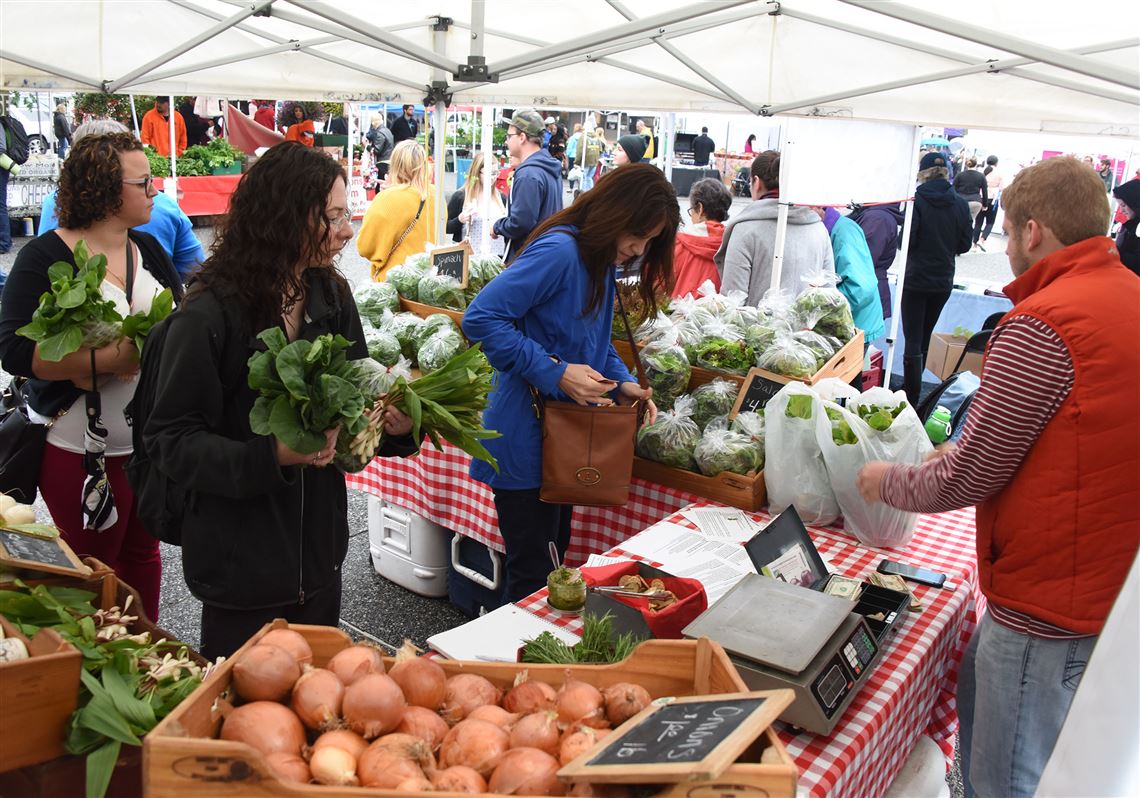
pixel 1051 457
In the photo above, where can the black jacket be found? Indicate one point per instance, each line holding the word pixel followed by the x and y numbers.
pixel 703 147
pixel 941 228
pixel 454 208
pixel 62 127
pixel 1128 244
pixel 254 534
pixel 28 281
pixel 404 128
pixel 971 186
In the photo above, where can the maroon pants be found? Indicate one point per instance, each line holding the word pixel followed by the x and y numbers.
pixel 126 547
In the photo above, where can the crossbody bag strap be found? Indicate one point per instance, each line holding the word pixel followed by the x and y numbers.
pixel 130 276
pixel 400 240
pixel 642 380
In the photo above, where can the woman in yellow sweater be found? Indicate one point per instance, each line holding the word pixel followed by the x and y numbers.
pixel 401 220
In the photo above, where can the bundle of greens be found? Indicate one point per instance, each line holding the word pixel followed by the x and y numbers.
pixel 763 334
pixel 383 346
pixel 713 399
pixel 723 354
pixel 599 643
pixel 799 406
pixel 372 299
pixel 671 439
pixel 725 450
pixel 823 347
pixel 406 327
pixel 441 291
pixel 435 323
pixel 406 279
pixel 137 326
pixel 841 431
pixel 821 307
pixel 878 417
pixel 354 453
pixel 438 349
pixel 481 269
pixel 749 423
pixel 306 388
pixel 789 357
pixel 668 371
pixel 421 261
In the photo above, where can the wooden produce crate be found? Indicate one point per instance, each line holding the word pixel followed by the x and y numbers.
pixel 746 492
pixel 182 757
pixel 423 311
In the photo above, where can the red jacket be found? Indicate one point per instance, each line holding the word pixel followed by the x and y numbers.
pixel 1058 541
pixel 266 116
pixel 693 260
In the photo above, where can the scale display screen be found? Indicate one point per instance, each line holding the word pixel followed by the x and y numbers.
pixel 841 673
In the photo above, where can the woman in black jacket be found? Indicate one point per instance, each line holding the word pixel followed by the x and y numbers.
pixel 105 189
pixel 970 184
pixel 265 530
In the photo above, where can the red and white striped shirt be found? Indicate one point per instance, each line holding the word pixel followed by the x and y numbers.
pixel 1029 373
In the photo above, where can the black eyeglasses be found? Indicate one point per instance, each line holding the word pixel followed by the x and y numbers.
pixel 146 182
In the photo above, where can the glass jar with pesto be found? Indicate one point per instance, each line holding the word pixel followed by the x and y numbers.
pixel 567 589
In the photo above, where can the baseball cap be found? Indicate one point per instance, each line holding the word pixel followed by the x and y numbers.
pixel 548 121
pixel 931 160
pixel 527 120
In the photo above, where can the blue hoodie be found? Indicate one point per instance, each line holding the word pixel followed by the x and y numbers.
pixel 530 312
pixel 880 225
pixel 856 273
pixel 536 194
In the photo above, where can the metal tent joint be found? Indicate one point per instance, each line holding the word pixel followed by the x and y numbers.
pixel 438 91
pixel 263 12
pixel 475 70
pixel 441 23
pixel 776 10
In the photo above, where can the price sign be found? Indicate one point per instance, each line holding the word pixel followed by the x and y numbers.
pixel 39 553
pixel 452 261
pixel 758 390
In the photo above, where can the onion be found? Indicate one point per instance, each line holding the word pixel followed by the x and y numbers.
pixel 478 744
pixel 289 766
pixel 317 698
pixel 579 702
pixel 529 696
pixel 578 741
pixel 332 765
pixel 423 681
pixel 373 705
pixel 290 640
pixel 459 778
pixel 394 759
pixel 624 700
pixel 526 771
pixel 537 730
pixel 586 790
pixel 349 664
pixel 425 724
pixel 265 673
pixel 466 692
pixel 267 726
pixel 341 738
pixel 415 784
pixel 497 715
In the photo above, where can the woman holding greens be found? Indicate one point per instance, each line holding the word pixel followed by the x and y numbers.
pixel 265 528
pixel 105 190
pixel 546 322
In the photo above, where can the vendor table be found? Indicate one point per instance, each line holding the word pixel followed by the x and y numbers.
pixel 911 692
pixel 204 196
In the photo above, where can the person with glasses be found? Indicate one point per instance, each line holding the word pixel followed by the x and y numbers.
pixel 265 531
pixel 105 193
pixel 698 241
pixel 536 188
pixel 168 223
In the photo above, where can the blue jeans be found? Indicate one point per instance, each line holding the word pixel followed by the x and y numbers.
pixel 1014 693
pixel 5 225
pixel 587 178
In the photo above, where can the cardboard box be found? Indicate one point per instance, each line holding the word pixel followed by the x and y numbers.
pixel 945 349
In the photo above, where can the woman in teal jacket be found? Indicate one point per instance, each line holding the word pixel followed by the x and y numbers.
pixel 856 271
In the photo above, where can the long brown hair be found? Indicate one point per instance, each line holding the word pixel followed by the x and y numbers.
pixel 634 199
pixel 276 221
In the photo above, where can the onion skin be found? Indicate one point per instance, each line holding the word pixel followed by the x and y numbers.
pixel 526 771
pixel 465 693
pixel 577 741
pixel 290 767
pixel 624 700
pixel 332 765
pixel 459 778
pixel 529 696
pixel 478 744
pixel 373 705
pixel 424 683
pixel 497 715
pixel 415 784
pixel 394 759
pixel 267 726
pixel 292 641
pixel 265 672
pixel 579 702
pixel 351 663
pixel 317 698
pixel 585 790
pixel 425 724
pixel 341 738
pixel 537 730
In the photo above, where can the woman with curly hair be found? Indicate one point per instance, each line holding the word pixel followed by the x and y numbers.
pixel 265 528
pixel 105 190
pixel 400 221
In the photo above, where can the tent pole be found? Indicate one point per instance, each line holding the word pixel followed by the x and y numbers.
pixel 904 248
pixel 233 59
pixel 666 147
pixel 8 55
pixel 172 184
pixel 439 43
pixel 488 136
pixel 134 115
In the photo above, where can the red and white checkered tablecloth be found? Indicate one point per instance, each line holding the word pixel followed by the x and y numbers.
pixel 911 692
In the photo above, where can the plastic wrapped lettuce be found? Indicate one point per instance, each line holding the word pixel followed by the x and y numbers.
pixel 436 322
pixel 667 369
pixel 749 423
pixel 383 346
pixel 725 450
pixel 420 261
pixel 441 291
pixel 406 279
pixel 763 333
pixel 719 422
pixel 482 269
pixel 713 399
pixel 722 348
pixel 789 357
pixel 655 328
pixel 438 349
pixel 372 299
pixel 671 439
pixel 823 346
pixel 822 308
pixel 405 327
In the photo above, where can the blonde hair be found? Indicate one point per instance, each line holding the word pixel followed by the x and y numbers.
pixel 1061 194
pixel 376 120
pixel 600 133
pixel 473 188
pixel 409 166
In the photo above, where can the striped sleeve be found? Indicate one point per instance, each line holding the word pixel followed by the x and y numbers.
pixel 1029 373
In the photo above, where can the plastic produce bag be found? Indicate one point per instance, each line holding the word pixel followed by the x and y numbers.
pixel 671 439
pixel 383 346
pixel 668 371
pixel 879 425
pixel 438 349
pixel 436 322
pixel 822 308
pixel 721 347
pixel 794 471
pixel 404 326
pixel 725 450
pixel 713 399
pixel 789 357
pixel 406 279
pixel 373 299
pixel 441 291
pixel 752 425
pixel 824 346
pixel 763 333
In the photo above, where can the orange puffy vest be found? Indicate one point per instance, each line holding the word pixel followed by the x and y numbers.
pixel 1058 541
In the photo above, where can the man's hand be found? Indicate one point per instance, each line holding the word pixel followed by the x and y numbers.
pixel 396 423
pixel 940 451
pixel 631 392
pixel 586 386
pixel 870 481
pixel 286 456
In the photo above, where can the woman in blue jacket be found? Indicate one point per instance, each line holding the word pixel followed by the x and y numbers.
pixel 546 321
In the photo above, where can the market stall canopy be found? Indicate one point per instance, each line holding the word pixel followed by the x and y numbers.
pixel 1062 70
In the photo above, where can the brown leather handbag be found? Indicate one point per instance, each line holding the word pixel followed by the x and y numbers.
pixel 587 451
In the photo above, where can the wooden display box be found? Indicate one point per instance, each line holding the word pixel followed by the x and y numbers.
pixel 746 492
pixel 423 311
pixel 182 757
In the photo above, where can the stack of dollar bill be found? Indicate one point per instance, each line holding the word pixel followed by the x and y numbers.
pixel 844 587
pixel 895 582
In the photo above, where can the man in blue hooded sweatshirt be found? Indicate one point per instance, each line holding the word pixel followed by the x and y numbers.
pixel 536 190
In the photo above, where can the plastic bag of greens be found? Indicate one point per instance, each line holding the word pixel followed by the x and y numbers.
pixel 421 261
pixel 776 303
pixel 482 269
pixel 667 369
pixel 383 346
pixel 878 425
pixel 718 422
pixel 438 349
pixel 794 471
pixel 97 334
pixel 670 440
pixel 721 347
pixel 406 279
pixel 655 328
pixel 725 450
pixel 821 307
pixel 749 423
pixel 441 291
pixel 713 399
pixel 761 335
pixel 823 346
pixel 373 299
pixel 789 357
pixel 404 326
pixel 436 322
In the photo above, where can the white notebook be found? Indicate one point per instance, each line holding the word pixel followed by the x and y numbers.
pixel 496 636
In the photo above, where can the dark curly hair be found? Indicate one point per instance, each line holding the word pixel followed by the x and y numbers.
pixel 276 221
pixel 713 197
pixel 91 183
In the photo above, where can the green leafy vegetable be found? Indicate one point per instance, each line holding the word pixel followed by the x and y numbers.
pixel 724 450
pixel 789 357
pixel 667 369
pixel 441 291
pixel 672 438
pixel 841 431
pixel 435 323
pixel 721 354
pixel 713 399
pixel 438 349
pixel 383 346
pixel 137 326
pixel 406 327
pixel 372 299
pixel 879 417
pixel 406 279
pixel 824 309
pixel 799 406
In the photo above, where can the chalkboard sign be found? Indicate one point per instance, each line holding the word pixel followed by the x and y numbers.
pixel 39 553
pixel 686 738
pixel 452 261
pixel 758 390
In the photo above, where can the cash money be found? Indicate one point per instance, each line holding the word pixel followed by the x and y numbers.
pixel 895 582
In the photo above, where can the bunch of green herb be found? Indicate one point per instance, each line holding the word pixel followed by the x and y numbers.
pixel 722 354
pixel 667 369
pixel 373 299
pixel 713 399
pixel 438 349
pixel 672 438
pixel 137 326
pixel 406 278
pixel 441 291
pixel 406 327
pixel 435 323
pixel 598 644
pixel 725 450
pixel 215 155
pixel 73 313
pixel 383 346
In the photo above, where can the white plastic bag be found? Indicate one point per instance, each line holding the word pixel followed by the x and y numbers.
pixel 903 441
pixel 794 471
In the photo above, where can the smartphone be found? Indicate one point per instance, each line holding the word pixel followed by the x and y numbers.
pixel 913 573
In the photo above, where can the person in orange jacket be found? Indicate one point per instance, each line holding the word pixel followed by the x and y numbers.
pixel 302 128
pixel 156 128
pixel 696 244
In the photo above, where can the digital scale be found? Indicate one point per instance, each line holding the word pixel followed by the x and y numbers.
pixel 782 631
